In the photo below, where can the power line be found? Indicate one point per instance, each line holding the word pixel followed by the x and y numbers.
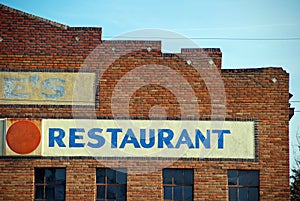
pixel 206 38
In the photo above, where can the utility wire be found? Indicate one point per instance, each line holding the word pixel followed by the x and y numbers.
pixel 208 38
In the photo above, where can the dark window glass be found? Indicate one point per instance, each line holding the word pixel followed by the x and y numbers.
pixel 178 184
pixel 121 194
pixel 168 193
pixel 243 185
pixel 233 194
pixel 39 192
pixel 111 176
pixel 243 193
pixel 100 176
pixel 253 181
pixel 178 192
pixel 121 178
pixel 50 178
pixel 100 192
pixel 49 192
pixel 232 177
pixel 178 176
pixel 167 177
pixel 111 192
pixel 243 178
pixel 39 176
pixel 188 192
pixel 253 194
pixel 50 184
pixel 59 193
pixel 111 184
pixel 60 176
pixel 188 177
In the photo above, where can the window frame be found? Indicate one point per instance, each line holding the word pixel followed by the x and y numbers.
pixel 107 184
pixel 238 186
pixel 173 184
pixel 44 184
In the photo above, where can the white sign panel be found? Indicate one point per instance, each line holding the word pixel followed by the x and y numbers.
pixel 149 138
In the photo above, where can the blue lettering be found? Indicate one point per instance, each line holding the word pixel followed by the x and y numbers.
pixel 100 140
pixel 221 137
pixel 58 139
pixel 147 140
pixel 200 136
pixel 34 78
pixel 10 88
pixel 73 137
pixel 167 140
pixel 54 90
pixel 114 136
pixel 133 140
pixel 184 138
pixel 143 138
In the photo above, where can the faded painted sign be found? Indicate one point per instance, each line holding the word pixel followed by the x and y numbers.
pixel 54 88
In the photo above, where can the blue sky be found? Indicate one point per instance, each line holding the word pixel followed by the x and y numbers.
pixel 233 19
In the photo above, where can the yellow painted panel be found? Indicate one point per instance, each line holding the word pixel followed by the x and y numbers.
pixel 47 88
pixel 149 138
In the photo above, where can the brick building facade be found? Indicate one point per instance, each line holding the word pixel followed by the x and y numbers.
pixel 34 46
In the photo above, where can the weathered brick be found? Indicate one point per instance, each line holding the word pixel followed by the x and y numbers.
pixel 38 45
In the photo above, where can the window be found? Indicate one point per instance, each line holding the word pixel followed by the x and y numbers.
pixel 243 185
pixel 178 184
pixel 111 184
pixel 50 184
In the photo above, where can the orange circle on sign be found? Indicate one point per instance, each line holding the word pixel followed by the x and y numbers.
pixel 23 137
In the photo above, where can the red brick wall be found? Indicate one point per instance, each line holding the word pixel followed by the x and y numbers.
pixel 33 44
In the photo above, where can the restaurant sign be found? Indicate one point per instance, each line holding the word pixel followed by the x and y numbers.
pixel 130 138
